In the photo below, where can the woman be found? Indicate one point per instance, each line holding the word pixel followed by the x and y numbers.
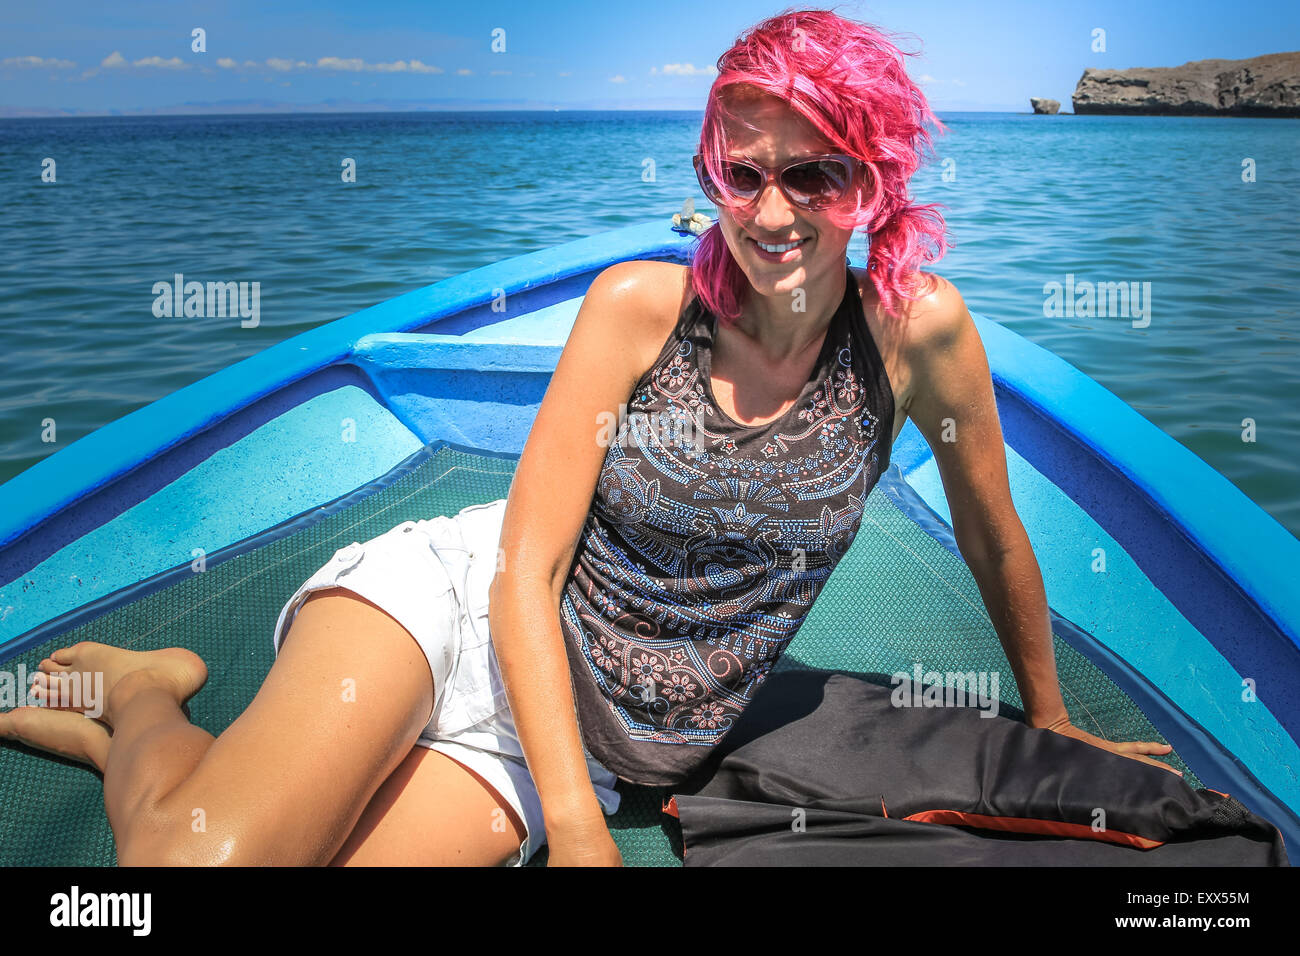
pixel 641 587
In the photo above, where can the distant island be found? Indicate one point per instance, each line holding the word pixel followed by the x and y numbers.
pixel 1260 86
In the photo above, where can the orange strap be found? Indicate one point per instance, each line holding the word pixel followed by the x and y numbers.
pixel 1026 825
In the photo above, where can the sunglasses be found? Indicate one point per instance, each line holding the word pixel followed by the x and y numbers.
pixel 810 182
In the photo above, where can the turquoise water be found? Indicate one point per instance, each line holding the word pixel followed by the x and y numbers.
pixel 1030 201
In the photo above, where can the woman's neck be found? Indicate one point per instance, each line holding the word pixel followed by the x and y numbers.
pixel 786 325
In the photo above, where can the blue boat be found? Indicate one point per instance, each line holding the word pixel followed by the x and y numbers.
pixel 1174 602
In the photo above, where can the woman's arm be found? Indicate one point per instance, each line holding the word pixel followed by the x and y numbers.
pixel 622 323
pixel 954 408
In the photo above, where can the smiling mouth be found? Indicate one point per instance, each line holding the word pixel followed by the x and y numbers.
pixel 778 247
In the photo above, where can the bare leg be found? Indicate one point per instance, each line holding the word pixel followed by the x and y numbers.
pixel 432 811
pixel 61 732
pixel 64 726
pixel 287 782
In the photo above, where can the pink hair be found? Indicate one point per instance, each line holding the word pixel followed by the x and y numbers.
pixel 848 80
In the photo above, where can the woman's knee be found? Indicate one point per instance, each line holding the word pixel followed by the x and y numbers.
pixel 198 849
pixel 163 838
pixel 177 834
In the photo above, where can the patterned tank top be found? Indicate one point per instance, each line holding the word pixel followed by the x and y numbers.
pixel 708 541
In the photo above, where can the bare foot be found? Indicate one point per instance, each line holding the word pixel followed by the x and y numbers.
pixel 85 676
pixel 61 732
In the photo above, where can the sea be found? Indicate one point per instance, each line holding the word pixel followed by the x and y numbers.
pixel 1195 218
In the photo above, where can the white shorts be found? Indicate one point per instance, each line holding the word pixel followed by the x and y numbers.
pixel 432 577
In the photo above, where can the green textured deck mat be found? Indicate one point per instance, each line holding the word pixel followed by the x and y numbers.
pixel 898 597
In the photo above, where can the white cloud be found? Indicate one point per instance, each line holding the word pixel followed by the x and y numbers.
pixel 402 66
pixel 36 61
pixel 926 78
pixel 275 64
pixel 116 61
pixel 336 63
pixel 175 63
pixel 464 72
pixel 686 69
pixel 498 73
pixel 618 79
pixel 356 65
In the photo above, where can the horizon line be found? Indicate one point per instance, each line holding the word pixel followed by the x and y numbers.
pixel 314 109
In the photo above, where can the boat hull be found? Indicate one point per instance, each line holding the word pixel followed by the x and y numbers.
pixel 1192 611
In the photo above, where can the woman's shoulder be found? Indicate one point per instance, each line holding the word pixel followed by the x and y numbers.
pixel 646 298
pixel 661 290
pixel 924 327
pixel 937 303
pixel 936 319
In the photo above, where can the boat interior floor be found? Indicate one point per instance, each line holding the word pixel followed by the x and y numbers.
pixel 899 597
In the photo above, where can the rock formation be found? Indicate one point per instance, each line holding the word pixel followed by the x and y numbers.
pixel 1260 86
pixel 1041 105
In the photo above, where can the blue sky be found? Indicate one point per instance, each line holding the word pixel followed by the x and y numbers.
pixel 87 55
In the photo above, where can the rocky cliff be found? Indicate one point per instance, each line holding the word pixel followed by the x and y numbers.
pixel 1261 86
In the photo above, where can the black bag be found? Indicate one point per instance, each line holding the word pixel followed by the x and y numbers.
pixel 824 770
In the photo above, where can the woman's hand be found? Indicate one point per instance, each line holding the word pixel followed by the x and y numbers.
pixel 583 842
pixel 1132 749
